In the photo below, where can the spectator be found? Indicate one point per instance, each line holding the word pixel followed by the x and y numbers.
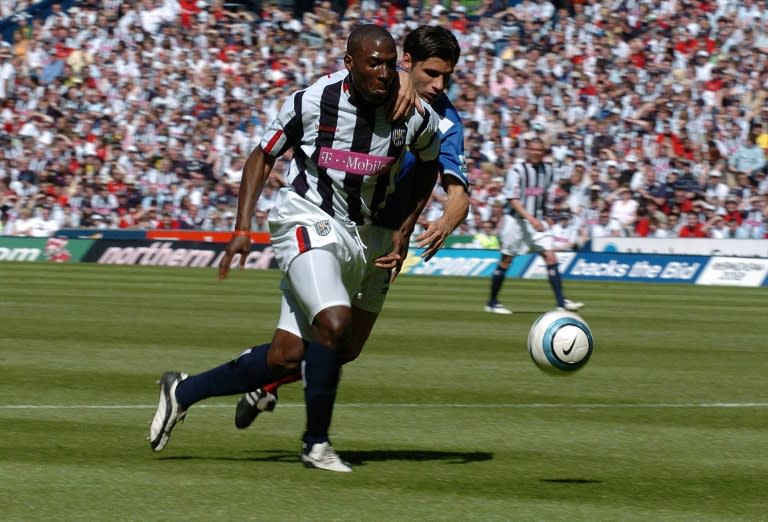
pixel 659 228
pixel 693 226
pixel 747 158
pixel 565 234
pixel 733 231
pixel 732 212
pixel 486 237
pixel 173 95
pixel 606 226
pixel 624 210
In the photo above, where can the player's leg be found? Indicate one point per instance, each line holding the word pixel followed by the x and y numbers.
pixel 255 367
pixel 284 359
pixel 265 398
pixel 368 300
pixel 367 303
pixel 510 236
pixel 178 391
pixel 497 281
pixel 553 275
pixel 356 336
pixel 316 279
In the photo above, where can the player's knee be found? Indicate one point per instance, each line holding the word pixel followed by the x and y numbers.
pixel 350 350
pixel 330 324
pixel 285 354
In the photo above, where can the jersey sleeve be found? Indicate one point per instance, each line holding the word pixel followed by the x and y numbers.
pixel 513 185
pixel 452 148
pixel 286 129
pixel 424 133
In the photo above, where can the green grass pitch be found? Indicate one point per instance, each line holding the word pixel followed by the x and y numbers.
pixel 444 415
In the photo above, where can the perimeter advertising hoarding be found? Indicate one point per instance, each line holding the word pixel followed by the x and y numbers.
pixel 643 268
pixel 461 262
pixel 688 246
pixel 43 250
pixel 117 234
pixel 735 271
pixel 173 253
pixel 537 269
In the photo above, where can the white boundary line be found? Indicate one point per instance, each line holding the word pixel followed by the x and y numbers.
pixel 532 405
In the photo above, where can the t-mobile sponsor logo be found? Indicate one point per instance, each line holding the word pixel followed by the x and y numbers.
pixel 354 162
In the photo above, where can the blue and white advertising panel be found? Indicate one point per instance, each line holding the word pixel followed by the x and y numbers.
pixel 462 262
pixel 635 267
pixel 538 268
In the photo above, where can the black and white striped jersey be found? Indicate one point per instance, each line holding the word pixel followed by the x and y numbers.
pixel 530 184
pixel 346 158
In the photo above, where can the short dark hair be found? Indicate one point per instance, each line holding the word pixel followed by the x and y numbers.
pixel 366 32
pixel 427 41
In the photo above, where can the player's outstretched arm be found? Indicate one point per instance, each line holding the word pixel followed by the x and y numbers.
pixel 454 213
pixel 255 173
pixel 426 173
pixel 521 211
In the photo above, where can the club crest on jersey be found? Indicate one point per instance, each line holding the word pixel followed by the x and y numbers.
pixel 323 227
pixel 398 136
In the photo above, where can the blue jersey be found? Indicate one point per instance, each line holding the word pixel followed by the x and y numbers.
pixel 451 161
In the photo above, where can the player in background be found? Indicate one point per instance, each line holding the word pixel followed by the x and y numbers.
pixel 430 54
pixel 347 154
pixel 525 229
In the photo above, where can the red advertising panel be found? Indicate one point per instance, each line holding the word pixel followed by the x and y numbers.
pixel 206 236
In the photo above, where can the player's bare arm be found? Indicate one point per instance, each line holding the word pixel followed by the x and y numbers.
pixel 255 173
pixel 426 175
pixel 520 210
pixel 454 214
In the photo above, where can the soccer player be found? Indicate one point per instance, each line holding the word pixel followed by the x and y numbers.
pixel 430 54
pixel 346 155
pixel 524 228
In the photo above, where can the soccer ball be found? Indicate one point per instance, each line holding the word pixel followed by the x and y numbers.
pixel 560 342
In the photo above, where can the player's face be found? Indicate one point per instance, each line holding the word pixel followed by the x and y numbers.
pixel 373 69
pixel 535 152
pixel 430 77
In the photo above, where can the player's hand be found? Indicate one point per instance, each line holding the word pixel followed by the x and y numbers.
pixel 394 260
pixel 237 245
pixel 537 225
pixel 387 261
pixel 433 238
pixel 407 97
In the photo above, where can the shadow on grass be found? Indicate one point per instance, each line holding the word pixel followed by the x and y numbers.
pixel 360 458
pixel 450 457
pixel 571 481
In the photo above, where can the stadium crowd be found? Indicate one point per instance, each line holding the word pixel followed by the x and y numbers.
pixel 139 115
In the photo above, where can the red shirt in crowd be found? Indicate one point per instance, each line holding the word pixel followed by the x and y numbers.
pixel 643 226
pixel 188 11
pixel 733 215
pixel 694 230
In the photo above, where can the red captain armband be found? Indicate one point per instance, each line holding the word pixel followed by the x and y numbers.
pixel 241 233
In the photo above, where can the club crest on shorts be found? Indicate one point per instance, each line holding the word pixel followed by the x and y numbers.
pixel 398 136
pixel 323 227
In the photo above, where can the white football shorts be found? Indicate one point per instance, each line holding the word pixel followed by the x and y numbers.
pixel 518 237
pixel 324 262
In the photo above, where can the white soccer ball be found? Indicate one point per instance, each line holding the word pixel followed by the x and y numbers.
pixel 560 342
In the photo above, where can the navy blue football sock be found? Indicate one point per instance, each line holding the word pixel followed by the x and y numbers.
pixel 321 376
pixel 553 273
pixel 497 279
pixel 244 374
